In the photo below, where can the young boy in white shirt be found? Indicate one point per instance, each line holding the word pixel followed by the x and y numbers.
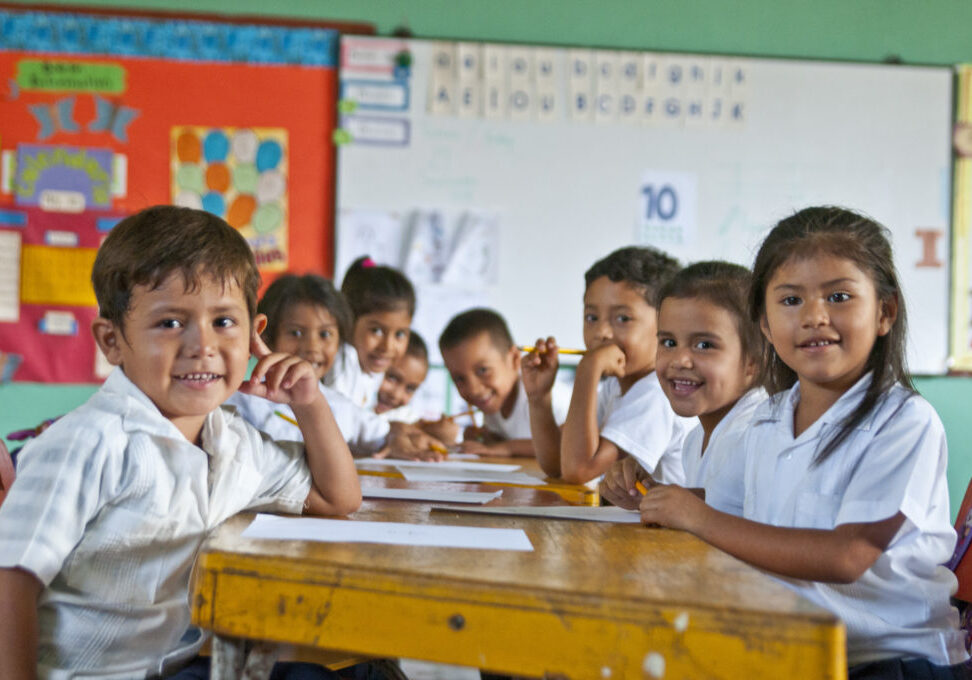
pixel 479 354
pixel 98 535
pixel 627 413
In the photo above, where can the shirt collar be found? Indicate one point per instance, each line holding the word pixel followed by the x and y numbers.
pixel 780 407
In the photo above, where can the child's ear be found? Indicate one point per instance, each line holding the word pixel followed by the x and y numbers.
pixel 888 315
pixel 259 323
pixel 515 357
pixel 764 328
pixel 108 337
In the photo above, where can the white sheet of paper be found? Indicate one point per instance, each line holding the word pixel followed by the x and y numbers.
pixel 433 495
pixel 465 465
pixel 582 512
pixel 425 474
pixel 391 533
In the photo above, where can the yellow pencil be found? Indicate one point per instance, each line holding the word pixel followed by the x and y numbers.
pixel 438 448
pixel 640 487
pixel 460 415
pixel 560 350
pixel 287 418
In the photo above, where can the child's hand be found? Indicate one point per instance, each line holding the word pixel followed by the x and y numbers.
pixel 618 485
pixel 672 506
pixel 444 429
pixel 484 449
pixel 279 377
pixel 474 433
pixel 604 360
pixel 539 368
pixel 409 442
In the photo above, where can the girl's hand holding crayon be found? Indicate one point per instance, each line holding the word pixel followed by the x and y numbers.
pixel 620 483
pixel 673 507
pixel 410 443
pixel 444 429
pixel 538 369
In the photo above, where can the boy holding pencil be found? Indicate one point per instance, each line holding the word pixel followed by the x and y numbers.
pixel 479 353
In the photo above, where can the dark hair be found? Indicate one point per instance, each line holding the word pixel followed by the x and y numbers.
pixel 845 234
pixel 416 347
pixel 145 248
pixel 641 267
pixel 725 285
pixel 370 287
pixel 290 290
pixel 471 323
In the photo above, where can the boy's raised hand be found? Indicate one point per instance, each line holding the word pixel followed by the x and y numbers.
pixel 279 377
pixel 605 360
pixel 539 368
pixel 618 485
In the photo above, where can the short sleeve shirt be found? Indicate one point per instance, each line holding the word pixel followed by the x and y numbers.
pixel 642 423
pixel 893 461
pixel 111 504
pixel 347 377
pixel 517 426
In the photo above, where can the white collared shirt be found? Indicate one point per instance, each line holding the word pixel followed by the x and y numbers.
pixel 642 423
pixel 363 430
pixel 347 377
pixel 721 468
pixel 893 461
pixel 517 426
pixel 110 506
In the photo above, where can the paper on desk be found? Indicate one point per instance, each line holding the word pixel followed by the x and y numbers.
pixel 434 495
pixel 589 513
pixel 441 465
pixel 392 533
pixel 435 474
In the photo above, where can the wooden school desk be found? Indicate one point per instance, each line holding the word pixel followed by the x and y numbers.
pixel 574 494
pixel 592 600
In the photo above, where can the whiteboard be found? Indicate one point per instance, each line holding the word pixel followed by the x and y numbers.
pixel 558 156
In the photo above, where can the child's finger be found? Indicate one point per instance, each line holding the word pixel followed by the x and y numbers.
pixel 258 347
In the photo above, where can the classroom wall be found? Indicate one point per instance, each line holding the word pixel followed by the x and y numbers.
pixel 930 32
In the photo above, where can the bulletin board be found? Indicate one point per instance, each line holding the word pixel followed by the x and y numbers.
pixel 103 115
pixel 497 174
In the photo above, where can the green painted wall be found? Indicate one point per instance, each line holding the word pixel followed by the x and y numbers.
pixel 927 32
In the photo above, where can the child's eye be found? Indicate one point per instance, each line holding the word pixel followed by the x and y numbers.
pixel 704 344
pixel 667 343
pixel 838 297
pixel 482 371
pixel 590 318
pixel 790 300
pixel 295 333
pixel 622 318
pixel 224 322
pixel 377 331
pixel 170 323
pixel 326 335
pixel 401 334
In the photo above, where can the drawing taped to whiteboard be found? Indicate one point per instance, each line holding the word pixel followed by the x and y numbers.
pixel 474 261
pixel 427 249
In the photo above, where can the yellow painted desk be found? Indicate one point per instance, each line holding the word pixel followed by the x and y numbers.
pixel 574 494
pixel 592 600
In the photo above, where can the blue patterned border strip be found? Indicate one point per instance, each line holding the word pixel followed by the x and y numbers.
pixel 169 39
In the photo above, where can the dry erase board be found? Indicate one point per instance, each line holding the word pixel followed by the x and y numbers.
pixel 498 174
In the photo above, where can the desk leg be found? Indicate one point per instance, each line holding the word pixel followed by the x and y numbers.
pixel 227 659
pixel 259 662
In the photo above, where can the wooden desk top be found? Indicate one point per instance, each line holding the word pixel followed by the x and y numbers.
pixel 592 600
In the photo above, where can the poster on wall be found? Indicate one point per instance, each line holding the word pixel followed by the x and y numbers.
pixel 105 115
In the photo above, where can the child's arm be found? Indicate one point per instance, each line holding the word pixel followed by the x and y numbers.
pixel 539 371
pixel 444 429
pixel 584 454
pixel 287 379
pixel 505 447
pixel 839 555
pixel 19 591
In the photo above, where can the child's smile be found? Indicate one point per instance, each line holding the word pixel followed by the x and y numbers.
pixel 187 350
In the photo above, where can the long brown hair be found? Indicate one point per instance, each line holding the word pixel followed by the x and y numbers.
pixel 841 233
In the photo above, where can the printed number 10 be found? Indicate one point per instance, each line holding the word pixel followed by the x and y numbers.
pixel 661 204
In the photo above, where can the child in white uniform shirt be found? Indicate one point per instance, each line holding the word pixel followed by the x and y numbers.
pixel 307 317
pixel 629 414
pixel 845 474
pixel 382 302
pixel 708 361
pixel 98 535
pixel 484 363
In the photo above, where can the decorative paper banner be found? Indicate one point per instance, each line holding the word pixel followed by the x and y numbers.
pixel 239 174
pixel 63 178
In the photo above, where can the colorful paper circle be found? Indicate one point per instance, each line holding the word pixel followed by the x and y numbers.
pixel 267 218
pixel 215 146
pixel 245 145
pixel 245 178
pixel 268 155
pixel 270 186
pixel 188 199
pixel 218 177
pixel 241 211
pixel 188 149
pixel 214 203
pixel 189 176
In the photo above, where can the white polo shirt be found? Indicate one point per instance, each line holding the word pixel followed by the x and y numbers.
pixel 347 377
pixel 643 424
pixel 363 430
pixel 721 469
pixel 110 505
pixel 517 426
pixel 893 461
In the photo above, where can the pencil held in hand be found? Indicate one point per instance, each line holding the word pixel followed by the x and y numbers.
pixel 286 417
pixel 641 487
pixel 470 413
pixel 560 350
